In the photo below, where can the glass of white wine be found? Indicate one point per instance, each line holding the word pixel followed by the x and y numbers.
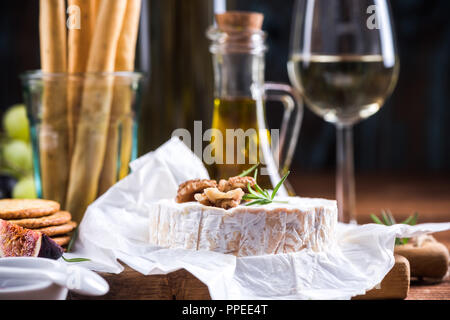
pixel 344 62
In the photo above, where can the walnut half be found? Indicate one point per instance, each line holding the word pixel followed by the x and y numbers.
pixel 215 197
pixel 188 189
pixel 236 182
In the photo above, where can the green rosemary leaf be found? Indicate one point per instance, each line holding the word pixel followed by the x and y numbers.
pixel 274 193
pixel 250 197
pixel 413 222
pixel 408 220
pixel 75 260
pixel 275 201
pixel 254 203
pixel 385 218
pixel 249 171
pixel 72 241
pixel 376 219
pixel 391 217
pixel 266 201
pixel 253 192
pixel 258 188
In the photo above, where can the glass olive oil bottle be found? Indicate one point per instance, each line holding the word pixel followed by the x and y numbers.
pixel 240 137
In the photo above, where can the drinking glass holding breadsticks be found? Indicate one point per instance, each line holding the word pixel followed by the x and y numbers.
pixel 84 103
pixel 344 61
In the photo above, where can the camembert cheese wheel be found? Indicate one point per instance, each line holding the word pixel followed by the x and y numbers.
pixel 300 224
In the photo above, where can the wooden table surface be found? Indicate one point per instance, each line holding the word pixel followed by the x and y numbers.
pixel 403 194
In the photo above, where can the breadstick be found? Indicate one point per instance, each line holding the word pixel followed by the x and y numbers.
pixel 94 4
pixel 90 144
pixel 79 39
pixel 121 113
pixel 53 143
pixel 79 43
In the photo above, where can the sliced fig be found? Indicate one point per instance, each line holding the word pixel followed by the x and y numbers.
pixel 16 241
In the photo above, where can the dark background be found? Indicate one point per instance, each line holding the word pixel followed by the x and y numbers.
pixel 411 133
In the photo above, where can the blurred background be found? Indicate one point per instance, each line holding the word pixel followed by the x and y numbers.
pixel 409 135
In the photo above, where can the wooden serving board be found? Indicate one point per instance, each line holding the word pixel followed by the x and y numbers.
pixel 131 285
pixel 394 286
pixel 181 285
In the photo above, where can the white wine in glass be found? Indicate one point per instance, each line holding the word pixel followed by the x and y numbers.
pixel 343 89
pixel 345 69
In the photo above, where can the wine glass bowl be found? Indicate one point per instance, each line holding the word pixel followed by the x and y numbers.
pixel 344 62
pixel 343 89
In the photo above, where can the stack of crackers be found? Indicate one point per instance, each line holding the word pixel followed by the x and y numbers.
pixel 44 216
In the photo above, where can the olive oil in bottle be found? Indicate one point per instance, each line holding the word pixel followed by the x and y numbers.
pixel 242 138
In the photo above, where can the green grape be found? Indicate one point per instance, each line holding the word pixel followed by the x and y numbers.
pixel 18 155
pixel 25 189
pixel 15 123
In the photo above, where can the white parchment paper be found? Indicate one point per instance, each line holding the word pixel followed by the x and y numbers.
pixel 115 227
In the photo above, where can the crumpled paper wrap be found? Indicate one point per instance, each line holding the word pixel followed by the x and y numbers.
pixel 115 227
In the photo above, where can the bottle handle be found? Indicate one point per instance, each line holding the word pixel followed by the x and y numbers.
pixel 283 148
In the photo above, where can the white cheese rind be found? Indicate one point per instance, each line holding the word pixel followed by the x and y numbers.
pixel 245 231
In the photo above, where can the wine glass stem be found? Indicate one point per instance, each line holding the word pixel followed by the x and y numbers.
pixel 345 179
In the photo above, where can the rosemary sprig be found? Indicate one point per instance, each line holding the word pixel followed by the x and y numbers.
pixel 388 219
pixel 263 197
pixel 258 188
pixel 75 260
pixel 69 249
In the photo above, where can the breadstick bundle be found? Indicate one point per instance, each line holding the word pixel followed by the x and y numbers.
pixel 91 112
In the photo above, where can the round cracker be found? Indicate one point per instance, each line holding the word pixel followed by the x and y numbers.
pixel 62 241
pixel 56 219
pixel 27 208
pixel 58 230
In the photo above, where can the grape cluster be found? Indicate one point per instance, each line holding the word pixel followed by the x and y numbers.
pixel 16 158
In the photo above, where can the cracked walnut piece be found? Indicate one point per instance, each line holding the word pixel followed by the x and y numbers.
pixel 215 197
pixel 203 199
pixel 188 189
pixel 235 183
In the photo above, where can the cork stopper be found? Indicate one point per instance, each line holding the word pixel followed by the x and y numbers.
pixel 240 21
